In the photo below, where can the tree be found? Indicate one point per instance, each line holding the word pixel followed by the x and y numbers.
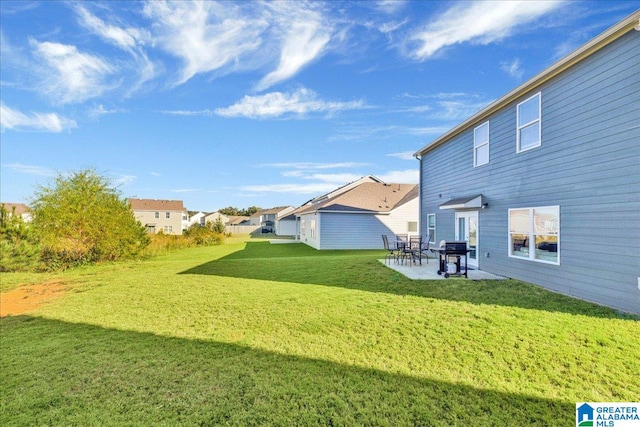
pixel 229 211
pixel 233 211
pixel 82 219
pixel 19 250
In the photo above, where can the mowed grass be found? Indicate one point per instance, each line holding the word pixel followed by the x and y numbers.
pixel 257 334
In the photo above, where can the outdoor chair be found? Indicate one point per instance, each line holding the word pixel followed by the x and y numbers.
pixel 391 251
pixel 424 249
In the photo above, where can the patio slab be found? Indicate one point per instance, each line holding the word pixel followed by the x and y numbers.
pixel 430 271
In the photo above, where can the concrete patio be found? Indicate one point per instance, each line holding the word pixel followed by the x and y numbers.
pixel 429 271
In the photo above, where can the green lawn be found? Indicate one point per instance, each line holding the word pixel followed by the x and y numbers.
pixel 257 334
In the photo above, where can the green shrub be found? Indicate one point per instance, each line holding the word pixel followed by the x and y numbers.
pixel 82 219
pixel 19 250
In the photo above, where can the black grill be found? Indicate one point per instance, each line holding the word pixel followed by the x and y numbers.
pixel 454 248
pixel 452 252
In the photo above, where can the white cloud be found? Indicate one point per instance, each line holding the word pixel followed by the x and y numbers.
pixel 185 190
pixel 316 166
pixel 512 68
pixel 306 35
pixel 404 155
pixel 390 6
pixel 311 188
pixel 100 110
pixel 205 112
pixel 276 104
pixel 409 176
pixel 69 75
pixel 123 180
pixel 48 122
pixel 128 39
pixel 207 36
pixel 477 23
pixel 31 170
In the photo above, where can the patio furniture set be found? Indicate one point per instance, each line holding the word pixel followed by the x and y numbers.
pixel 411 250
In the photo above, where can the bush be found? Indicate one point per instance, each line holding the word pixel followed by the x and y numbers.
pixel 19 250
pixel 82 219
pixel 205 236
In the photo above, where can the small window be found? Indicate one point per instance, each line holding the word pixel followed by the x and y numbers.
pixel 529 124
pixel 412 227
pixel 312 228
pixel 534 234
pixel 157 215
pixel 168 215
pixel 481 145
pixel 431 227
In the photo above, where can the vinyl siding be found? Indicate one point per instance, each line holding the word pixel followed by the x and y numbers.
pixel 588 164
pixel 360 230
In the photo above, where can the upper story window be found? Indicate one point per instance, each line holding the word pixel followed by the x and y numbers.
pixel 529 123
pixel 481 145
pixel 534 234
pixel 168 215
pixel 431 227
pixel 157 214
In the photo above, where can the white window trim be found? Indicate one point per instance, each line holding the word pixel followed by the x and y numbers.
pixel 531 236
pixel 539 120
pixel 432 238
pixel 477 145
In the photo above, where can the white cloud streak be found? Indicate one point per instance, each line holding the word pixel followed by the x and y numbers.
pixel 129 39
pixel 513 68
pixel 31 169
pixel 478 23
pixel 207 36
pixel 276 104
pixel 47 122
pixel 69 75
pixel 305 36
pixel 316 166
pixel 404 155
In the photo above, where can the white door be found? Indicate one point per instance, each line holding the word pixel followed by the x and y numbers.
pixel 467 230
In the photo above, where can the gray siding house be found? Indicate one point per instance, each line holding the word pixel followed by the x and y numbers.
pixel 544 183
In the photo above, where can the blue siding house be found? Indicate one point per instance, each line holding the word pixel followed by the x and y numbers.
pixel 544 183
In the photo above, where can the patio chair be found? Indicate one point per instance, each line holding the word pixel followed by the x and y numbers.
pixel 391 251
pixel 424 249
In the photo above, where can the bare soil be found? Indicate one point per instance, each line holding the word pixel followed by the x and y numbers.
pixel 29 297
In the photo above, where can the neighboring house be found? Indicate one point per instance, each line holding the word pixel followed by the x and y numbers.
pixel 167 216
pixel 358 216
pixel 544 183
pixel 213 217
pixel 18 209
pixel 266 218
pixel 238 220
pixel 197 218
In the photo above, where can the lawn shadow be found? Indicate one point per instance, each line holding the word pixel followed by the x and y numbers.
pixel 60 371
pixel 299 263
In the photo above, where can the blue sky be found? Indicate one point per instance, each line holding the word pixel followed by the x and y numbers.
pixel 259 103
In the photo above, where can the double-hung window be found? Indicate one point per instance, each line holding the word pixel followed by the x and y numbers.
pixel 481 145
pixel 168 215
pixel 529 123
pixel 431 227
pixel 534 234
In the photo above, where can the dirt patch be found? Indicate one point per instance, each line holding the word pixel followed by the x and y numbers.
pixel 27 298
